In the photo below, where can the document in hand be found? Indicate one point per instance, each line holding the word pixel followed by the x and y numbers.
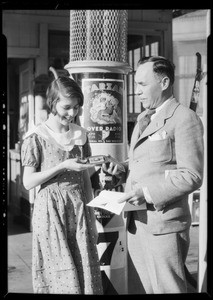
pixel 109 200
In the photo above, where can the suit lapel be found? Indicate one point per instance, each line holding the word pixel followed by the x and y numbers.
pixel 157 123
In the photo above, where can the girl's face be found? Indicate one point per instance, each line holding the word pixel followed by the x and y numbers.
pixel 66 110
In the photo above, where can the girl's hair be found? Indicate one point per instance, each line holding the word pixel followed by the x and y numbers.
pixel 63 86
pixel 161 66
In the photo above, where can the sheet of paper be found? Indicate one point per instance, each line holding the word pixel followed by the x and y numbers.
pixel 109 200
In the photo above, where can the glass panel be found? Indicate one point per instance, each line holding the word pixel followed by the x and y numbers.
pixel 130 100
pixel 130 58
pixel 154 48
pixel 137 56
pixel 187 65
pixel 147 50
pixel 153 45
pixel 58 49
pixel 138 108
pixel 130 86
pixel 25 81
pixel 135 41
pixel 185 90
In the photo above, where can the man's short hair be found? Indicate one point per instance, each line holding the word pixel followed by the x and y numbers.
pixel 161 67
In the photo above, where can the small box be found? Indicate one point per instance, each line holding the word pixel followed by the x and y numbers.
pixel 97 159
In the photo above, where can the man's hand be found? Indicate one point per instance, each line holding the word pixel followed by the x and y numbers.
pixel 134 197
pixel 111 169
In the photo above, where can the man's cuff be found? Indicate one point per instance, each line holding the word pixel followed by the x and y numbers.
pixel 147 195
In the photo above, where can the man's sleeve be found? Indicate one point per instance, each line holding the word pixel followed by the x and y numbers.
pixel 188 175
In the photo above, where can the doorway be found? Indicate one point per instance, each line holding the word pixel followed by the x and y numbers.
pixel 18 86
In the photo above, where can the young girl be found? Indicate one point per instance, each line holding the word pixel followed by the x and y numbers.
pixel 65 258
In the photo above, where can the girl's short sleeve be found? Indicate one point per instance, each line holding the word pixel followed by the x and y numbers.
pixel 30 151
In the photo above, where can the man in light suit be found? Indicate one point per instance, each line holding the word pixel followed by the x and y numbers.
pixel 165 165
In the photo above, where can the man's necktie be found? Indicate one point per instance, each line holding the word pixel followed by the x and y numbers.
pixel 144 122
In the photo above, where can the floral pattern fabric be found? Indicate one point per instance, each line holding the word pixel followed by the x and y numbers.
pixel 64 258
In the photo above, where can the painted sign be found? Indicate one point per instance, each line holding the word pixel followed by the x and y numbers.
pixel 111 242
pixel 103 110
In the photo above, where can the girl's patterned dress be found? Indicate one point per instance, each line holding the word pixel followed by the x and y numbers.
pixel 64 258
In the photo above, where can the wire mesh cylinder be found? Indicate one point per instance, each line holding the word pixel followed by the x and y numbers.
pixel 98 35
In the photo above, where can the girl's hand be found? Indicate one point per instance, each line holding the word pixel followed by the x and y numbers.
pixel 74 165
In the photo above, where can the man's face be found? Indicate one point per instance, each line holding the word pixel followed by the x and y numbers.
pixel 149 87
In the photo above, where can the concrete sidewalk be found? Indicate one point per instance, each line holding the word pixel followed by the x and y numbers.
pixel 20 257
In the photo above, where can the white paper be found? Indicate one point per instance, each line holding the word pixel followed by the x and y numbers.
pixel 109 200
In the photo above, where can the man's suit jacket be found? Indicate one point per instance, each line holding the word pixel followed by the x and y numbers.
pixel 167 160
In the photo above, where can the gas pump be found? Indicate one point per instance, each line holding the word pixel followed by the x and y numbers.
pixel 98 62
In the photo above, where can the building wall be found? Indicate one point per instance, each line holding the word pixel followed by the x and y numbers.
pixel 27 33
pixel 27 30
pixel 189 37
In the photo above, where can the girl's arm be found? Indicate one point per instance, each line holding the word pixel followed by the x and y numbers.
pixel 32 178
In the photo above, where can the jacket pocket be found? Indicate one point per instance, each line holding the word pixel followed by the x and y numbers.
pixel 160 150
